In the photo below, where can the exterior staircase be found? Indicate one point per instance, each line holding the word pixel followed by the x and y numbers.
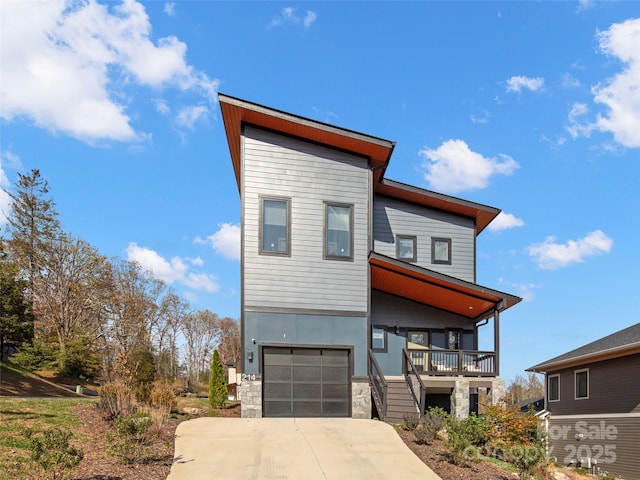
pixel 399 401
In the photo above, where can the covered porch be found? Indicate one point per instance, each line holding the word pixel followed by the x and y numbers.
pixel 424 329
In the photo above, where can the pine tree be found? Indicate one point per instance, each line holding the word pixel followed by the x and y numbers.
pixel 16 321
pixel 217 382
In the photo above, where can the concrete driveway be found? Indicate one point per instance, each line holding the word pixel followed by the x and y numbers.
pixel 292 448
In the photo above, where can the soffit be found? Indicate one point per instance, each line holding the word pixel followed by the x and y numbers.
pixel 435 289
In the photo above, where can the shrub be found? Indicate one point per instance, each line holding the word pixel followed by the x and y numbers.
pixel 34 356
pixel 130 444
pixel 51 451
pixel 464 436
pixel 116 399
pixel 217 382
pixel 162 396
pixel 410 421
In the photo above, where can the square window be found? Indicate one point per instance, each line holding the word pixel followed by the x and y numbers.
pixel 582 384
pixel 338 231
pixel 553 389
pixel 406 248
pixel 441 251
pixel 378 339
pixel 274 226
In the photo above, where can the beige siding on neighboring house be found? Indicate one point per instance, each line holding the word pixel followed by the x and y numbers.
pixel 392 217
pixel 308 174
pixel 612 441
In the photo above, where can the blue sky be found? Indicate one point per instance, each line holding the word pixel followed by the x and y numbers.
pixel 530 107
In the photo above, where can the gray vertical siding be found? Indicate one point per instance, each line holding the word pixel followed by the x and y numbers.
pixel 392 217
pixel 309 174
pixel 612 441
pixel 614 387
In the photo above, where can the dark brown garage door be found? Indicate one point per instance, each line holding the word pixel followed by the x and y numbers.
pixel 305 382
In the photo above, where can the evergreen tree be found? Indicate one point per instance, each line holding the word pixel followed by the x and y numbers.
pixel 16 321
pixel 217 382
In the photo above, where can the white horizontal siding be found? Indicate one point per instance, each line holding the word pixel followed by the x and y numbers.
pixel 392 217
pixel 308 174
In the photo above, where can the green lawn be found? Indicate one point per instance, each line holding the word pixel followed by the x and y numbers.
pixel 18 414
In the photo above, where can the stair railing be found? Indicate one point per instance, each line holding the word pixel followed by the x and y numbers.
pixel 378 386
pixel 415 383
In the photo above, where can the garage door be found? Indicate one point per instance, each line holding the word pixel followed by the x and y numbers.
pixel 305 382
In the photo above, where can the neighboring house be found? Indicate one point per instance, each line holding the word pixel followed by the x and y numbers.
pixel 593 404
pixel 353 286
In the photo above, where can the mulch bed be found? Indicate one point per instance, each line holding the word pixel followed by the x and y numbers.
pixel 98 464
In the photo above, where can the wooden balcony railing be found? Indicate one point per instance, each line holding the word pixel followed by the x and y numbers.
pixel 468 363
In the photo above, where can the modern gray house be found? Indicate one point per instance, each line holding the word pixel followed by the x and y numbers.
pixel 358 293
pixel 593 404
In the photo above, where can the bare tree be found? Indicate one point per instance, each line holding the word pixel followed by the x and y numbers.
pixel 201 331
pixel 522 388
pixel 72 289
pixel 229 340
pixel 165 332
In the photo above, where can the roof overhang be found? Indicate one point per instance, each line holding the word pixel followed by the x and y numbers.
pixel 237 112
pixel 611 353
pixel 483 215
pixel 435 289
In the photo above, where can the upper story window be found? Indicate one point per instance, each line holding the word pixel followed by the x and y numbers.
pixel 406 247
pixel 378 339
pixel 441 251
pixel 274 226
pixel 338 225
pixel 582 383
pixel 553 388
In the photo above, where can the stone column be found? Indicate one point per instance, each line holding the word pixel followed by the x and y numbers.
pixel 360 400
pixel 251 395
pixel 497 393
pixel 460 398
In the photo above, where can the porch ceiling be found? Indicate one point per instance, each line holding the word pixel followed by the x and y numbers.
pixel 436 289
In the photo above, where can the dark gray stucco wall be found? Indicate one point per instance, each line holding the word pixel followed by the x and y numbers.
pixel 304 329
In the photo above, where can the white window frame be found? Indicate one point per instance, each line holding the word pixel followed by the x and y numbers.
pixel 557 377
pixel 575 383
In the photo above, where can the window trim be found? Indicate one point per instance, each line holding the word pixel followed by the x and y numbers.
pixel 261 250
pixel 325 243
pixel 384 349
pixel 435 240
pixel 555 376
pixel 575 377
pixel 414 239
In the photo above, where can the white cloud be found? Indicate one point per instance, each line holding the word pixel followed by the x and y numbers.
pixel 162 107
pixel 174 271
pixel 621 93
pixel 517 83
pixel 453 167
pixel 65 64
pixel 505 221
pixel 169 8
pixel 189 116
pixel 578 128
pixel 288 16
pixel 226 241
pixel 550 255
pixel 585 5
pixel 569 81
pixel 309 18
pixel 7 158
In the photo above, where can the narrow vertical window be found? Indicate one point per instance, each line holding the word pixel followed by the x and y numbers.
pixel 406 248
pixel 553 389
pixel 338 231
pixel 441 251
pixel 378 339
pixel 582 384
pixel 275 226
